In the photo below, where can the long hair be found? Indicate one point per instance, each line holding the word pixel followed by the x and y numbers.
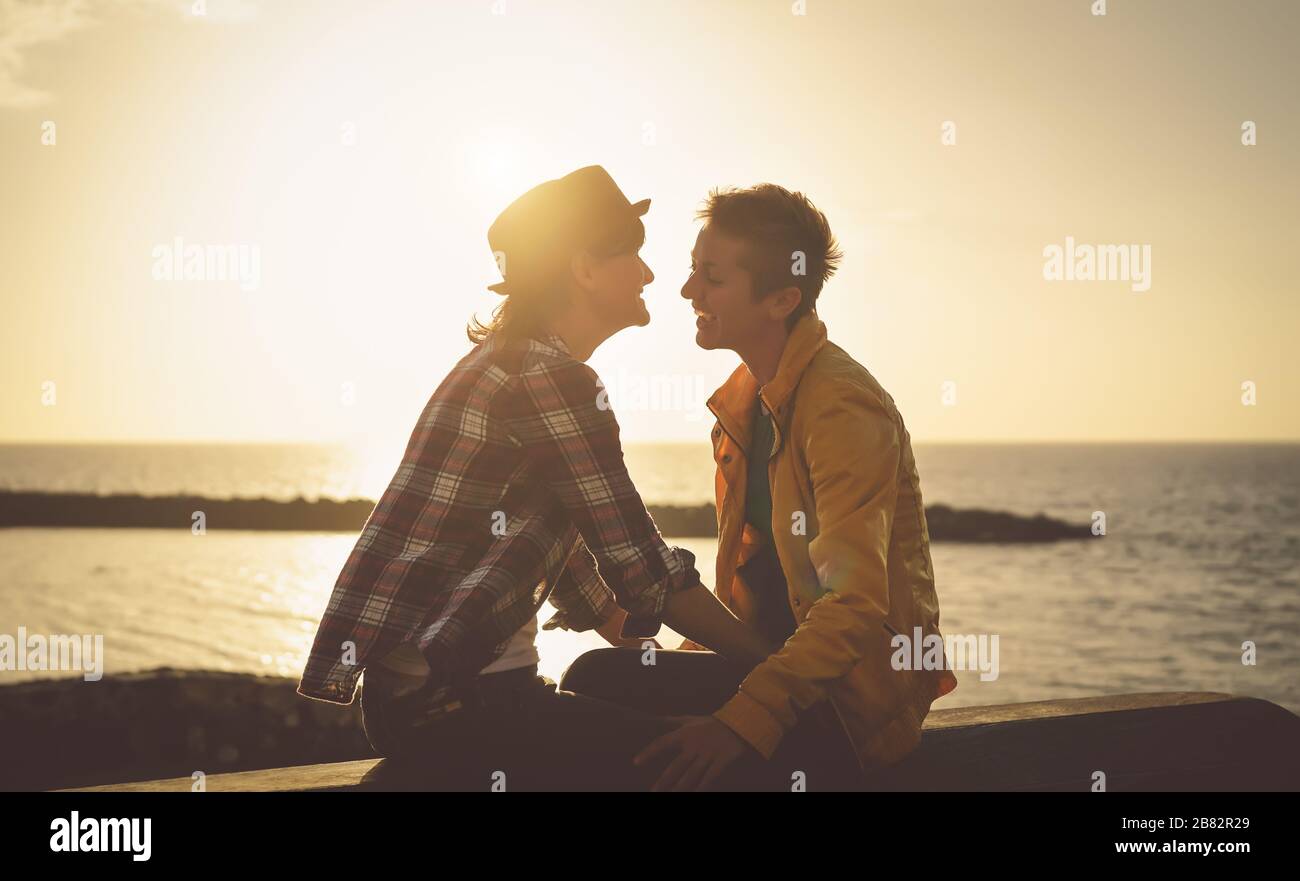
pixel 524 313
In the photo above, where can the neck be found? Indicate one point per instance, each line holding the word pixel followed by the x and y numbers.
pixel 762 355
pixel 580 333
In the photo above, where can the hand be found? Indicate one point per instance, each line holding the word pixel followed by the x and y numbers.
pixel 700 750
pixel 612 628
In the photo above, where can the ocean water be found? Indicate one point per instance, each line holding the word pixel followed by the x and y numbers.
pixel 1201 555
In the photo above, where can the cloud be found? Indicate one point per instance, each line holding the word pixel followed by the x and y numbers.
pixel 28 23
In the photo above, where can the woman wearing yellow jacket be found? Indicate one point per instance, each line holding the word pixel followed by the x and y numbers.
pixel 823 546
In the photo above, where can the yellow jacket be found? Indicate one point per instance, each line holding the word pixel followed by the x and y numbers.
pixel 851 536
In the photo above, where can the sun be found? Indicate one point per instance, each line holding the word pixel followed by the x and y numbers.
pixel 495 167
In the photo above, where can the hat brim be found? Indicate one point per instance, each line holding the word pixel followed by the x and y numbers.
pixel 638 210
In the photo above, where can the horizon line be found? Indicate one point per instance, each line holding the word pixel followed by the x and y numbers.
pixel 701 442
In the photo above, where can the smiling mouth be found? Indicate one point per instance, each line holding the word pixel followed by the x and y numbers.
pixel 704 318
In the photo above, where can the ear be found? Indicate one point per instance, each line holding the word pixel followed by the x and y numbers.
pixel 581 265
pixel 781 303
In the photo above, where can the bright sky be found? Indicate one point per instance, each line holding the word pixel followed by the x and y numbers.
pixel 362 148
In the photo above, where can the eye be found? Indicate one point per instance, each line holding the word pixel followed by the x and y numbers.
pixel 708 278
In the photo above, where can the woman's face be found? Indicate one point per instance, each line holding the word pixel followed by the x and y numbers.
pixel 615 286
pixel 721 291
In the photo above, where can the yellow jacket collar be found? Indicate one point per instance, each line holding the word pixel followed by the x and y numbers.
pixel 733 403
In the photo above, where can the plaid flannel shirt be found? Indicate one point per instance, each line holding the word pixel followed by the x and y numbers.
pixel 511 489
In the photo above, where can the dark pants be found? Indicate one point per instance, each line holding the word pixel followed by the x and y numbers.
pixel 517 731
pixel 816 752
pixel 513 731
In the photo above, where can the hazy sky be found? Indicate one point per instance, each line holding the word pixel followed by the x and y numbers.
pixel 361 149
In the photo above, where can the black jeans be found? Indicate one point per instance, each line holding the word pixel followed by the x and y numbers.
pixel 518 731
pixel 816 752
pixel 512 731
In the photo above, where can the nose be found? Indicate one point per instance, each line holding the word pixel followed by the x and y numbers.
pixel 647 274
pixel 686 288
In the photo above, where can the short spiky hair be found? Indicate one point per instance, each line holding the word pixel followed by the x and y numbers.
pixel 775 223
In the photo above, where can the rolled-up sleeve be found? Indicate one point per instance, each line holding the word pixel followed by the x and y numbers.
pixel 570 439
pixel 581 598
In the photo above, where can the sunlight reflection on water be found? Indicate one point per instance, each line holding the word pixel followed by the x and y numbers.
pixel 250 602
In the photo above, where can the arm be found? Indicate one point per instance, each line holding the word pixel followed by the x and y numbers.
pixel 584 602
pixel 581 598
pixel 701 617
pixel 572 444
pixel 856 492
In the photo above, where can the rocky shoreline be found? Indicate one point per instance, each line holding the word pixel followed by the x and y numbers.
pixel 38 509
pixel 61 733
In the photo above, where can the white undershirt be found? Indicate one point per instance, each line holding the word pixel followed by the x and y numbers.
pixel 520 651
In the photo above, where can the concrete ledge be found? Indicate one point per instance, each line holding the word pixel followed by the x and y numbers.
pixel 1169 741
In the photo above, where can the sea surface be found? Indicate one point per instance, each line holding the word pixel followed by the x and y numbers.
pixel 1201 555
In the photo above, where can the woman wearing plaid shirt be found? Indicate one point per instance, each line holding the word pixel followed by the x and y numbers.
pixel 513 491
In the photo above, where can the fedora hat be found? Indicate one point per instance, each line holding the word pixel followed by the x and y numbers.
pixel 536 235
